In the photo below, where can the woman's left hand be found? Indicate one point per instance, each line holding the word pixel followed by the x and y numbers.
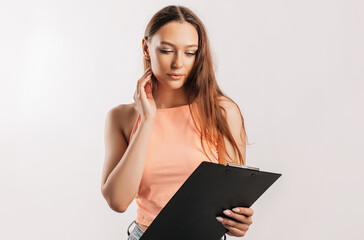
pixel 244 219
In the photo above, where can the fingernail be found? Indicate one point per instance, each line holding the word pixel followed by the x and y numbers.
pixel 236 209
pixel 220 219
pixel 227 212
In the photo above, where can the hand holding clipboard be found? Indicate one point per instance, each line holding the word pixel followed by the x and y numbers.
pixel 191 212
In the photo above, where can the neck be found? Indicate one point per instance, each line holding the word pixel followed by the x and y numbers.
pixel 169 98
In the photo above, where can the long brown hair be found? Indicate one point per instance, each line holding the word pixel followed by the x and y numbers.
pixel 201 85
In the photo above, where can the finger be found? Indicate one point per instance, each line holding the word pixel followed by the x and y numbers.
pixel 146 74
pixel 240 217
pixel 142 90
pixel 147 79
pixel 144 78
pixel 148 89
pixel 232 223
pixel 235 231
pixel 243 210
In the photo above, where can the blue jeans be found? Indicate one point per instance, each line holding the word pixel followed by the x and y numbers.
pixel 137 232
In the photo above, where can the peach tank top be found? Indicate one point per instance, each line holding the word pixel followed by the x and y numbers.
pixel 173 153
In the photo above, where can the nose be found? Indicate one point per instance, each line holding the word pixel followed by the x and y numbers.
pixel 177 61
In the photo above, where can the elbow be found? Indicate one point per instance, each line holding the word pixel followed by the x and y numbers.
pixel 117 208
pixel 114 205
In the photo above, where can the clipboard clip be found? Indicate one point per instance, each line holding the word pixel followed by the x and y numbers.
pixel 241 166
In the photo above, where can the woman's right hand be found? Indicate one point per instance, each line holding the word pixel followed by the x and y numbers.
pixel 143 97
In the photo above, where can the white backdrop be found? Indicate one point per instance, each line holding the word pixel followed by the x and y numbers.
pixel 295 68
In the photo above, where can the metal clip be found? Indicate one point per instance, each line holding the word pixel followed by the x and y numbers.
pixel 241 166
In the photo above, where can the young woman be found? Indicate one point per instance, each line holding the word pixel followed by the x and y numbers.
pixel 153 144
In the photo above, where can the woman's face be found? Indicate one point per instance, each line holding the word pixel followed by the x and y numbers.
pixel 172 50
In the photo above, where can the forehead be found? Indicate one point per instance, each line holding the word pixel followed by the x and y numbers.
pixel 179 34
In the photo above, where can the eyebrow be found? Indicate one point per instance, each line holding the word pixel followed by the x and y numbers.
pixel 168 43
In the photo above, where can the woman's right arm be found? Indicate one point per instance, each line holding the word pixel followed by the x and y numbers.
pixel 124 164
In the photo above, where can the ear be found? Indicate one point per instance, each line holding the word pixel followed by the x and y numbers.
pixel 145 48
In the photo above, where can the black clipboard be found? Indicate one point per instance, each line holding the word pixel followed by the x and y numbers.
pixel 191 212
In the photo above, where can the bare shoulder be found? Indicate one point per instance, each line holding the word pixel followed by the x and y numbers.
pixel 123 109
pixel 229 106
pixel 236 124
pixel 232 112
pixel 125 115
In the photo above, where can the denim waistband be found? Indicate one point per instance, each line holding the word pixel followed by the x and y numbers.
pixel 140 231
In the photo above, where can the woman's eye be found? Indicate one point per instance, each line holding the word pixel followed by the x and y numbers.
pixel 167 51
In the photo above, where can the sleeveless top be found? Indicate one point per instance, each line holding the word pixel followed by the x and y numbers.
pixel 174 152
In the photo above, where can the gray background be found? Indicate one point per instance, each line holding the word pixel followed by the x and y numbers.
pixel 295 68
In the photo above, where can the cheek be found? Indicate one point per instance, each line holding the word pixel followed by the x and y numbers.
pixel 160 63
pixel 189 64
pixel 162 58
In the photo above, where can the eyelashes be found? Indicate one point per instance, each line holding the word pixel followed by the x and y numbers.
pixel 166 52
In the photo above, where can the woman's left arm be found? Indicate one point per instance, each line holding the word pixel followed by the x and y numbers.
pixel 234 121
pixel 242 216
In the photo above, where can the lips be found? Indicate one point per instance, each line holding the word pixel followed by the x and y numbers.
pixel 175 74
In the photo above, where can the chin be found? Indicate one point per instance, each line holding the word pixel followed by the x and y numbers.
pixel 176 84
pixel 170 83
